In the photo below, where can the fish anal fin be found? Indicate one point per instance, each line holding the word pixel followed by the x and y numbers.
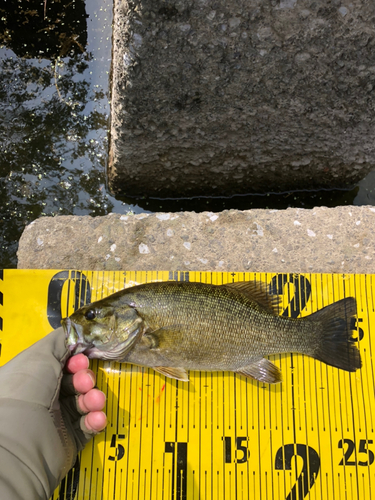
pixel 258 292
pixel 172 372
pixel 262 370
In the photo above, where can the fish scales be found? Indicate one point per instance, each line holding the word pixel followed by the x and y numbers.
pixel 212 327
pixel 178 326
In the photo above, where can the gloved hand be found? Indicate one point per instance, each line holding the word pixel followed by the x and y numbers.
pixel 44 421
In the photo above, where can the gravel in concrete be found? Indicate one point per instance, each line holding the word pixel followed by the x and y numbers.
pixel 238 96
pixel 332 240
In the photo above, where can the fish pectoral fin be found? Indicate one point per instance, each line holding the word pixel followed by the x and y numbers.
pixel 262 370
pixel 258 292
pixel 177 373
pixel 164 337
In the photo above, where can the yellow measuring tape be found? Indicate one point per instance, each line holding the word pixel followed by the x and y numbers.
pixel 220 436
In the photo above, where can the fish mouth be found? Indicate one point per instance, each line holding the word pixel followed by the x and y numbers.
pixel 77 344
pixel 74 337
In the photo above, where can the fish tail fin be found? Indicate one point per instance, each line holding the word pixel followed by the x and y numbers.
pixel 334 344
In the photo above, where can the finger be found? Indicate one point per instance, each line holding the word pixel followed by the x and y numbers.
pixel 84 381
pixel 81 382
pixel 94 400
pixel 93 422
pixel 76 363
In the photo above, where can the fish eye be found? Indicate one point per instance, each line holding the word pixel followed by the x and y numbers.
pixel 90 315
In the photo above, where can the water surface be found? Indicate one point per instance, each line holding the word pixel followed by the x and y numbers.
pixel 55 102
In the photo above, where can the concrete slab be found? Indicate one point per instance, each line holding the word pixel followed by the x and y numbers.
pixel 332 240
pixel 237 96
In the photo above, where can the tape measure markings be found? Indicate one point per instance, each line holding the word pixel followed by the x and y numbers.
pixel 358 399
pixel 370 363
pixel 221 435
pixel 363 374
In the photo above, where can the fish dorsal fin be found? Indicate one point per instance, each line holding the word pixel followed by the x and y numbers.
pixel 262 370
pixel 258 292
pixel 177 373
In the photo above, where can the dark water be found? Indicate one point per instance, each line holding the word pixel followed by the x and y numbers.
pixel 55 104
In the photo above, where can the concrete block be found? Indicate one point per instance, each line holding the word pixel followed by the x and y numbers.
pixel 237 96
pixel 331 240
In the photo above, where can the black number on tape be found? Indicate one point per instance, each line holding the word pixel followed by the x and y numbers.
pixel 120 451
pixel 228 449
pixel 302 292
pixel 349 451
pixel 354 325
pixel 179 468
pixel 243 452
pixel 310 469
pixel 179 275
pixel 363 448
pixel 82 294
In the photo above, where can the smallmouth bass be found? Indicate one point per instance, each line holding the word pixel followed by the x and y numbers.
pixel 173 327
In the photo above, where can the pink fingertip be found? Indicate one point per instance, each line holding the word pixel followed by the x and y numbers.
pixel 94 400
pixel 84 381
pixel 77 363
pixel 96 421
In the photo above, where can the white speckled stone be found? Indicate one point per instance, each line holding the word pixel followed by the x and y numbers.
pixel 237 96
pixel 324 240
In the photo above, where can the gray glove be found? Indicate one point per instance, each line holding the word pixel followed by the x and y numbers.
pixel 41 429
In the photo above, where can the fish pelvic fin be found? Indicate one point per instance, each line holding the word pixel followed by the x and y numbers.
pixel 177 373
pixel 335 346
pixel 262 370
pixel 257 291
